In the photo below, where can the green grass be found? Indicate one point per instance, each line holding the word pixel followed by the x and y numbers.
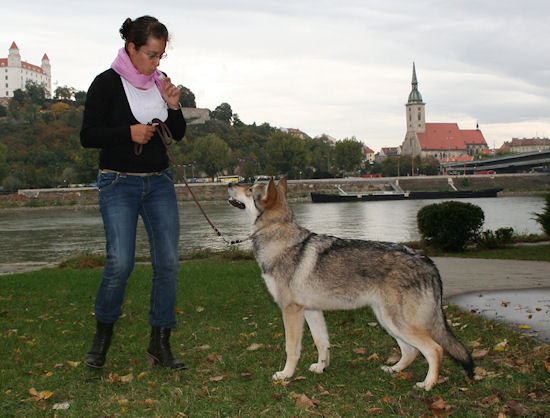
pixel 223 309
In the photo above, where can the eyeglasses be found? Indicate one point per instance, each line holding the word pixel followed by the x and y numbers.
pixel 152 56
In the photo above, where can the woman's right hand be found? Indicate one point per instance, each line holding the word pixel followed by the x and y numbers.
pixel 141 134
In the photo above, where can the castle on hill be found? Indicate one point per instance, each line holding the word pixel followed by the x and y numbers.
pixel 14 73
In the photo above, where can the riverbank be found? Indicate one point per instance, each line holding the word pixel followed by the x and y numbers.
pixel 537 183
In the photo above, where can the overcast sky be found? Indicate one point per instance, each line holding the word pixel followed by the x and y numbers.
pixel 340 67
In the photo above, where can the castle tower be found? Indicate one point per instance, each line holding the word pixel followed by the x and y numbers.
pixel 14 58
pixel 415 112
pixel 46 67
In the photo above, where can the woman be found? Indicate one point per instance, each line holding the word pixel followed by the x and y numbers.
pixel 134 180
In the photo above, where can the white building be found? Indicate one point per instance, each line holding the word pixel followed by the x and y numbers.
pixel 14 73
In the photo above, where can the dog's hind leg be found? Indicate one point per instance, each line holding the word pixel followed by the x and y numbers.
pixel 318 328
pixel 408 354
pixel 293 319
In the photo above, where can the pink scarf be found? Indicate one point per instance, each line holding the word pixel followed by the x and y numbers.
pixel 124 67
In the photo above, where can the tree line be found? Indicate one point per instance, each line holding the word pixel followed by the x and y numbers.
pixel 40 146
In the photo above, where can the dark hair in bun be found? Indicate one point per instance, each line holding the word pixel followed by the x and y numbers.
pixel 139 30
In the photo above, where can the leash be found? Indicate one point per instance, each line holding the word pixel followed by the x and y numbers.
pixel 166 136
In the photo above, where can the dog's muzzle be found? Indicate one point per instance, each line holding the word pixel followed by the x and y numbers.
pixel 238 204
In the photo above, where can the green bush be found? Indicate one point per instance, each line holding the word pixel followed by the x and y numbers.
pixel 498 239
pixel 544 218
pixel 449 225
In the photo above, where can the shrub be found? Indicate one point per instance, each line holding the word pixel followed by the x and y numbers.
pixel 498 239
pixel 544 218
pixel 449 225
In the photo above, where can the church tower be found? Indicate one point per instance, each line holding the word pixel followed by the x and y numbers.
pixel 47 68
pixel 416 117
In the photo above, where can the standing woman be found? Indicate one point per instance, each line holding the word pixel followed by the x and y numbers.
pixel 134 180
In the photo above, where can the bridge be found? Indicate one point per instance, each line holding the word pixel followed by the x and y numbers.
pixel 518 163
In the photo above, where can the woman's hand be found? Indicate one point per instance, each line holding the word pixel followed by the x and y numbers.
pixel 141 134
pixel 170 93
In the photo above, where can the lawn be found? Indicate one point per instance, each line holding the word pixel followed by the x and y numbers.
pixel 231 337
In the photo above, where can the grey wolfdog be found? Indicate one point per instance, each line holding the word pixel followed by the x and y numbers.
pixel 307 273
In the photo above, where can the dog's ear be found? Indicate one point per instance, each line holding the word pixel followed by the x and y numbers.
pixel 282 185
pixel 271 196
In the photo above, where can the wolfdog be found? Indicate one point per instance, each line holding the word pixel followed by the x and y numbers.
pixel 307 273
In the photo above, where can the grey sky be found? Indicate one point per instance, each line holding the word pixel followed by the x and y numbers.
pixel 339 67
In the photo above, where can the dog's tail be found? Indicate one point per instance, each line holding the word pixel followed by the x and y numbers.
pixel 443 335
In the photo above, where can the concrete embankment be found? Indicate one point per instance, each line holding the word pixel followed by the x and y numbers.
pixel 511 183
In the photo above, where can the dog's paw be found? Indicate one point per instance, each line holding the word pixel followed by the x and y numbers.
pixel 317 368
pixel 280 376
pixel 387 369
pixel 423 385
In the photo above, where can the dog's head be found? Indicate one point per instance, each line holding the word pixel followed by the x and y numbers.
pixel 261 201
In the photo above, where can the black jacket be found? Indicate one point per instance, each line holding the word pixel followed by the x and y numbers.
pixel 106 125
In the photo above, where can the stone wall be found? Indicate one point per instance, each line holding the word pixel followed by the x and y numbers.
pixel 298 188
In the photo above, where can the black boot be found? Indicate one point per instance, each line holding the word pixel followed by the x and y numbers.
pixel 159 349
pixel 95 357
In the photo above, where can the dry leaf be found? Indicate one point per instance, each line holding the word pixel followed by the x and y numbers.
pixel 73 363
pixel 61 406
pixel 360 350
pixel 126 379
pixel 254 347
pixel 501 346
pixel 372 357
pixel 302 401
pixel 479 353
pixel 214 357
pixel 140 376
pixel 218 378
pixel 524 326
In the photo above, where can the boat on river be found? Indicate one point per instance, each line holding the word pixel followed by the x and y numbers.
pixel 399 194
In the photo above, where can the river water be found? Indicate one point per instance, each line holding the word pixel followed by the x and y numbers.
pixel 51 234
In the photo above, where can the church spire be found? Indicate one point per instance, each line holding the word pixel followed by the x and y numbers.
pixel 414 96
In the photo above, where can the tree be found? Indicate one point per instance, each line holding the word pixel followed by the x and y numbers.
pixel 64 93
pixel 3 111
pixel 223 112
pixel 4 168
pixel 80 98
pixel 187 98
pixel 35 93
pixel 212 153
pixel 348 154
pixel 287 153
pixel 322 152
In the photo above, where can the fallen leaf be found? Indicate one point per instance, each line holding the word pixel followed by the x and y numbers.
pixel 302 401
pixel 140 376
pixel 218 378
pixel 505 304
pixel 126 379
pixel 360 350
pixel 524 326
pixel 501 346
pixel 372 357
pixel 199 309
pixel 61 406
pixel 547 365
pixel 372 324
pixel 73 363
pixel 214 357
pixel 254 347
pixel 479 353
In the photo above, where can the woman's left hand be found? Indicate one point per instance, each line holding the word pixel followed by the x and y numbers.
pixel 170 93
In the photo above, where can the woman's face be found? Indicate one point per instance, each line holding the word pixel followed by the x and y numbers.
pixel 147 58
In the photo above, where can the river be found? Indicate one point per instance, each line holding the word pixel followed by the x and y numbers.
pixel 51 234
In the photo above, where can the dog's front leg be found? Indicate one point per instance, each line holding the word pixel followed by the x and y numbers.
pixel 293 319
pixel 318 328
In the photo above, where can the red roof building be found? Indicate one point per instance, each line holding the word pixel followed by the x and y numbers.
pixel 517 145
pixel 437 140
pixel 16 73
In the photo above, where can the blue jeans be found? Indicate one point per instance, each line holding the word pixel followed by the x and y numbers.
pixel 122 198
